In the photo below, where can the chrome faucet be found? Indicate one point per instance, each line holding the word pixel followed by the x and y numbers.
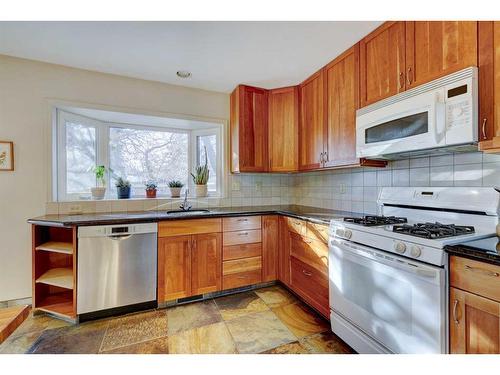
pixel 185 206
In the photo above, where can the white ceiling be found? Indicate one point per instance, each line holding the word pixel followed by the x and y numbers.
pixel 220 55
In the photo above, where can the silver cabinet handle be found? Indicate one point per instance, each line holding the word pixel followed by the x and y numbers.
pixel 306 273
pixel 480 270
pixel 455 305
pixel 484 128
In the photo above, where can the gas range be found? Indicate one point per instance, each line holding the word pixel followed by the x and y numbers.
pixel 419 222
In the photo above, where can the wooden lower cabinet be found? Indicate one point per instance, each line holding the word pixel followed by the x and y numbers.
pixel 189 265
pixel 206 260
pixel 474 324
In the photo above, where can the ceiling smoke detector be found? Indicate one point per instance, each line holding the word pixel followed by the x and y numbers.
pixel 183 74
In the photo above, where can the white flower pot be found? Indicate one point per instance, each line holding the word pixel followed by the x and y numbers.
pixel 98 192
pixel 175 192
pixel 200 191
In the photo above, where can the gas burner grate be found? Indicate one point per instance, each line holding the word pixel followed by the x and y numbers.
pixel 373 220
pixel 433 230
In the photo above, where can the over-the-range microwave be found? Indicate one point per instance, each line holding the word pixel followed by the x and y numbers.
pixel 435 118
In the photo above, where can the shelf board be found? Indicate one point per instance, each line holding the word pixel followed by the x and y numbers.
pixel 56 247
pixel 61 277
pixel 60 303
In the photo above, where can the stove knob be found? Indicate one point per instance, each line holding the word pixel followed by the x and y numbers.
pixel 415 251
pixel 400 247
pixel 347 234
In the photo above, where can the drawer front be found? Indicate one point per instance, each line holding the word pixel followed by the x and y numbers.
pixel 242 251
pixel 296 225
pixel 237 280
pixel 317 232
pixel 230 224
pixel 241 265
pixel 183 227
pixel 242 237
pixel 312 252
pixel 310 284
pixel 475 277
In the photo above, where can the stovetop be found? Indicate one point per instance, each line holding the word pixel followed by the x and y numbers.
pixel 373 220
pixel 433 230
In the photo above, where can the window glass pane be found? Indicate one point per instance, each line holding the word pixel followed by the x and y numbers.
pixel 143 155
pixel 210 142
pixel 80 158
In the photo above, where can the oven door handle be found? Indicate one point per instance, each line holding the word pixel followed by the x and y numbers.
pixel 355 250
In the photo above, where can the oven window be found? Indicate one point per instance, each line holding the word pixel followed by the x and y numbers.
pixel 401 128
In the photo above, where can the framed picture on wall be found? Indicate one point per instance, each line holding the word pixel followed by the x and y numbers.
pixel 6 156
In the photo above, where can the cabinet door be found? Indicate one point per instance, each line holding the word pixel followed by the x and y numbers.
pixel 312 122
pixel 174 268
pixel 342 98
pixel 249 128
pixel 206 263
pixel 437 48
pixel 270 247
pixel 489 86
pixel 284 252
pixel 382 62
pixel 474 324
pixel 283 129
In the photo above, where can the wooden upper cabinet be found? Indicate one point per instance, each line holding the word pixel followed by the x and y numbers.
pixel 248 129
pixel 489 86
pixel 283 129
pixel 342 93
pixel 206 263
pixel 437 48
pixel 382 62
pixel 474 324
pixel 174 268
pixel 312 122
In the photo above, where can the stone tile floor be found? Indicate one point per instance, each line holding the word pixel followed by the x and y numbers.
pixel 269 320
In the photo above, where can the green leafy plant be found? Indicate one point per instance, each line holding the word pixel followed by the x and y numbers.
pixel 175 184
pixel 200 177
pixel 122 183
pixel 100 171
pixel 151 185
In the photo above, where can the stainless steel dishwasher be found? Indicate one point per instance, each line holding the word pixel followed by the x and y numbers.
pixel 116 268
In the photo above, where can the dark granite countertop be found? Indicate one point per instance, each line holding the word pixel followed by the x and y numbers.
pixel 485 250
pixel 313 214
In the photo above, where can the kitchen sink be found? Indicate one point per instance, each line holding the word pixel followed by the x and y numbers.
pixel 187 212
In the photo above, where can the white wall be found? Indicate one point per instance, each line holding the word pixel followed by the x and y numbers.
pixel 27 91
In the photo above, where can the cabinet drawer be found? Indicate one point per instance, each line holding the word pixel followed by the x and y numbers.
pixel 296 225
pixel 183 227
pixel 242 251
pixel 310 284
pixel 241 265
pixel 242 237
pixel 236 280
pixel 312 252
pixel 241 223
pixel 475 277
pixel 317 232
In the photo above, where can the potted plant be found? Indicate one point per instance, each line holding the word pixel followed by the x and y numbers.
pixel 151 189
pixel 122 188
pixel 99 190
pixel 200 178
pixel 175 188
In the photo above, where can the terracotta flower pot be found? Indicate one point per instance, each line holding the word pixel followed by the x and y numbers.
pixel 151 193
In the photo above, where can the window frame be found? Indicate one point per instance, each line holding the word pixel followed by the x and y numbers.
pixel 103 153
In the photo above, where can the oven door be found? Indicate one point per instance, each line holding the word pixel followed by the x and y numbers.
pixel 397 302
pixel 410 124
